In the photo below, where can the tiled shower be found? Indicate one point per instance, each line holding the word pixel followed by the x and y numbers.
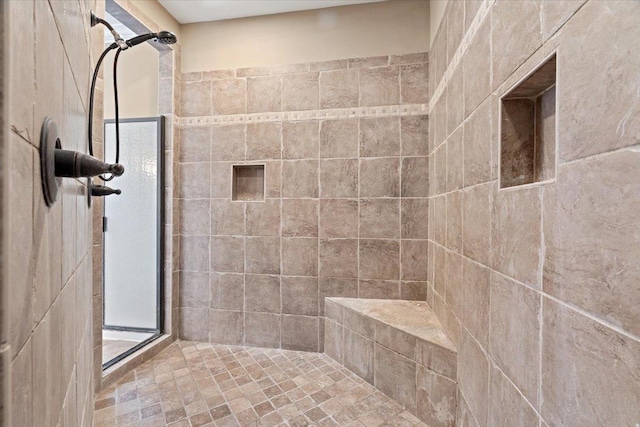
pixel 490 181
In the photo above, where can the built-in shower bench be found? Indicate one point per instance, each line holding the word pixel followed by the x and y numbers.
pixel 401 348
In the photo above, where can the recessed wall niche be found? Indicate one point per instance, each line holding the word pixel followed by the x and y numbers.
pixel 528 128
pixel 248 183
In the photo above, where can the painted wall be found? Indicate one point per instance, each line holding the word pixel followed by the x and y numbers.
pixel 137 83
pixel 156 13
pixel 50 263
pixel 538 285
pixel 391 27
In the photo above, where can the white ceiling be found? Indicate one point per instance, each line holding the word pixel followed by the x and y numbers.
pixel 188 11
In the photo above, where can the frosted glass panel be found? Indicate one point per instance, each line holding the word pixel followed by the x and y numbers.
pixel 131 238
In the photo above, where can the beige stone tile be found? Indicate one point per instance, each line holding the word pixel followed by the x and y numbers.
pixel 454 221
pixel 516 234
pixel 586 363
pixel 263 219
pixel 379 218
pixel 473 377
pixel 21 384
pixel 262 330
pixel 414 218
pixel 506 404
pixel 329 65
pixel 195 144
pixel 339 178
pixel 227 291
pixel 300 295
pixel 380 177
pixel 194 253
pixel 300 218
pixel 227 254
pixel 301 91
pixel 300 178
pixel 379 86
pixel 194 289
pixel 477 145
pixel 455 28
pixel 299 332
pixel 338 218
pixel 300 139
pixel 264 94
pixel 555 14
pixel 339 89
pixel 435 398
pixel 358 355
pixel 410 58
pixel 380 137
pixel 455 99
pixel 414 134
pixel 194 181
pixel 262 293
pixel 476 218
pixel 227 218
pixel 591 237
pixel 395 376
pixel 227 142
pixel 262 255
pixel 379 289
pixel 273 179
pixel 414 259
pixel 509 52
pixel 515 333
pixel 414 291
pixel 217 75
pixel 379 259
pixel 264 141
pixel 517 142
pixel 475 313
pixel 371 61
pixel 415 177
pixel 195 217
pixel 196 99
pixel 193 324
pixel 333 340
pixel 226 327
pixel 228 96
pixel 414 83
pixel 220 181
pixel 587 119
pixel 338 258
pixel 441 169
pixel 339 138
pixel 477 68
pixel 300 256
pixel 455 160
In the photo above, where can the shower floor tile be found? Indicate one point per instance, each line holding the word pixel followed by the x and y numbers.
pixel 199 384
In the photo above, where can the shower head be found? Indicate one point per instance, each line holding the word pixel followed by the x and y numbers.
pixel 164 37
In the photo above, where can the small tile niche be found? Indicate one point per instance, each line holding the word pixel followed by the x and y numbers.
pixel 528 129
pixel 248 183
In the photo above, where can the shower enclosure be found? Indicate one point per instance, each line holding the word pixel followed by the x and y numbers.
pixel 133 240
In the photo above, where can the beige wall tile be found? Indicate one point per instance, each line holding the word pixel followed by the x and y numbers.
pixel 435 398
pixel 194 289
pixel 195 144
pixel 300 218
pixel 473 377
pixel 591 240
pixel 195 217
pixel 414 217
pixel 379 137
pixel 380 177
pixel 414 134
pixel 264 94
pixel 227 142
pixel 300 139
pixel 515 333
pixel 414 83
pixel 301 91
pixel 227 254
pixel 194 180
pixel 395 376
pixel 379 218
pixel 227 291
pixel 262 293
pixel 379 289
pixel 262 330
pixel 414 291
pixel 299 332
pixel 220 185
pixel 300 256
pixel 454 221
pixel 300 295
pixel 475 313
pixel 441 169
pixel 264 141
pixel 477 145
pixel 506 404
pixel 228 96
pixel 333 340
pixel 194 253
pixel 415 177
pixel 339 138
pixel 455 27
pixel 414 259
pixel 196 99
pixel 587 363
pixel 339 178
pixel 262 255
pixel 477 68
pixel 379 86
pixel 263 219
pixel 335 287
pixel 193 324
pixel 358 355
pixel 379 259
pixel 338 258
pixel 372 61
pixel 339 89
pixel 455 160
pixel 455 99
pixel 476 219
pixel 227 218
pixel 338 218
pixel 226 327
pixel 300 178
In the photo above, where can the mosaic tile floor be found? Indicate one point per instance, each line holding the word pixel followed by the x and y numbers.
pixel 198 384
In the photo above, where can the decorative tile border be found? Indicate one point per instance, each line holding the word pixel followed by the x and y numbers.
pixel 482 13
pixel 329 114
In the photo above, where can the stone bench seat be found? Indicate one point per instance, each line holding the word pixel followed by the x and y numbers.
pixel 399 347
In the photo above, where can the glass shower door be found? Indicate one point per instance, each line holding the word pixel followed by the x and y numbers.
pixel 132 239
